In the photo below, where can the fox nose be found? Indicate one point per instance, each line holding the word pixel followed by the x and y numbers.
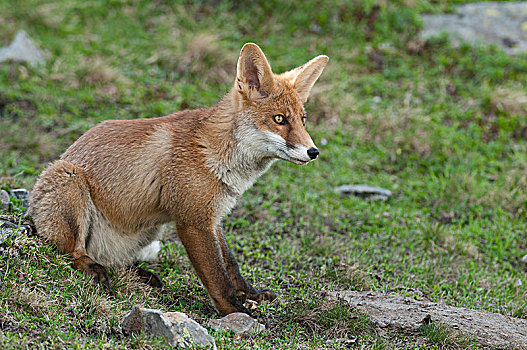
pixel 312 152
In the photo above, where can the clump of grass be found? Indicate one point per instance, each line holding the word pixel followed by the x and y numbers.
pixel 126 283
pixel 349 276
pixel 96 71
pixel 197 56
pixel 331 320
pixel 510 101
pixel 443 336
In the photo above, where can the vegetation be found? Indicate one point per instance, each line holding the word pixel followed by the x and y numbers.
pixel 444 128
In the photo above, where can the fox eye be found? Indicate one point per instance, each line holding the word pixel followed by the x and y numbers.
pixel 279 119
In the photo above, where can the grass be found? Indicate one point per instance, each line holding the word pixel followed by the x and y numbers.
pixel 443 337
pixel 443 128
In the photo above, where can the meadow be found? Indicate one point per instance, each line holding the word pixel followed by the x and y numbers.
pixel 443 127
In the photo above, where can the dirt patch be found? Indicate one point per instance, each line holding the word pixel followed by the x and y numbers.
pixel 12 108
pixel 396 312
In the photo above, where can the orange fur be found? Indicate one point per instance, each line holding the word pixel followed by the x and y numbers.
pixel 106 197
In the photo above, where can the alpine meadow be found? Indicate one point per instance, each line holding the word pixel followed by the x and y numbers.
pixel 442 126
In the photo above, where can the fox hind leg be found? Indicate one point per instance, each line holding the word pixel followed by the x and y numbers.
pixel 61 208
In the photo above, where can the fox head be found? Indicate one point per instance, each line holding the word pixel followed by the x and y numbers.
pixel 272 118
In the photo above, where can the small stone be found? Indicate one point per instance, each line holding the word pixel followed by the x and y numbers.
pixel 8 228
pixel 5 233
pixel 379 197
pixel 4 201
pixel 524 259
pixel 239 323
pixel 21 194
pixel 315 28
pixel 364 191
pixel 342 341
pixel 9 225
pixel 22 49
pixel 177 328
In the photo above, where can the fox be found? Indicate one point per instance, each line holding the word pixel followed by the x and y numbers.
pixel 106 198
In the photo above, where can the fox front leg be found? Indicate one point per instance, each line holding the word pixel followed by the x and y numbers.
pixel 205 255
pixel 243 288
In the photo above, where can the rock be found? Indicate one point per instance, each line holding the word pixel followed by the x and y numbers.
pixel 9 228
pixel 4 200
pixel 524 259
pixel 5 233
pixel 239 323
pixel 499 23
pixel 22 49
pixel 348 342
pixel 21 194
pixel 404 314
pixel 7 224
pixel 176 327
pixel 365 191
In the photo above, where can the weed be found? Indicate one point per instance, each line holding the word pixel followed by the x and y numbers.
pixel 444 337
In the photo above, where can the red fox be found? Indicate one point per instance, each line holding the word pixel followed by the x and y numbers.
pixel 110 192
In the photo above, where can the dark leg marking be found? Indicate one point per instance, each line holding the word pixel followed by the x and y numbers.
pixel 100 275
pixel 148 277
pixel 89 235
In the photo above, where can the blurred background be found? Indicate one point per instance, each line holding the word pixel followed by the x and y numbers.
pixel 441 124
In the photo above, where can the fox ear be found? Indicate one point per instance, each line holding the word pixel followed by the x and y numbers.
pixel 305 76
pixel 254 78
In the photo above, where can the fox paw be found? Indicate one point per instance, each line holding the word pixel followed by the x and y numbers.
pixel 261 295
pixel 148 277
pixel 100 276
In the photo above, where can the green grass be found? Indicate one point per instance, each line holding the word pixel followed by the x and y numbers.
pixel 444 128
pixel 445 338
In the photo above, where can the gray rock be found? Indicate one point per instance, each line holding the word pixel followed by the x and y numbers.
pixel 239 323
pixel 524 259
pixel 365 191
pixel 501 23
pixel 21 194
pixel 4 200
pixel 9 228
pixel 405 314
pixel 22 49
pixel 176 327
pixel 348 342
pixel 7 224
pixel 5 232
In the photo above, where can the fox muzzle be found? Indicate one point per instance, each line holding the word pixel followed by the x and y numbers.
pixel 312 152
